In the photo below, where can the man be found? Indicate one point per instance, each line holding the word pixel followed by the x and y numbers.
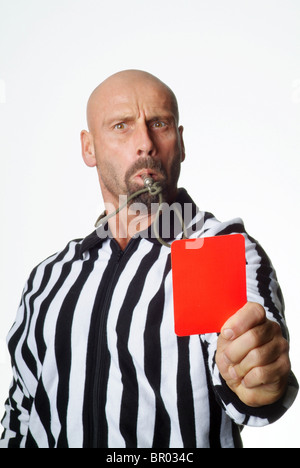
pixel 95 358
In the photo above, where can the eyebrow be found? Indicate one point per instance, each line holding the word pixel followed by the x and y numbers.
pixel 118 118
pixel 165 116
pixel 129 117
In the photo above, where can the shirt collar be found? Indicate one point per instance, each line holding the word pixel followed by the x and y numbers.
pixel 97 237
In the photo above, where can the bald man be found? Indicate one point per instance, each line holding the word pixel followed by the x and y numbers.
pixel 133 122
pixel 96 362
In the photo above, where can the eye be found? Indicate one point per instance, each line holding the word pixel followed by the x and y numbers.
pixel 158 124
pixel 120 126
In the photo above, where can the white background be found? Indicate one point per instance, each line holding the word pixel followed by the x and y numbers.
pixel 235 68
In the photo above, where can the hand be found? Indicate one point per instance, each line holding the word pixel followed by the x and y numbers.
pixel 253 357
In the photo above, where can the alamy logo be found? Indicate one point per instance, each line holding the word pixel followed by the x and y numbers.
pixel 174 219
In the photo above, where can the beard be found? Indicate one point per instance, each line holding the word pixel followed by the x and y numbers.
pixel 117 186
pixel 168 185
pixel 132 187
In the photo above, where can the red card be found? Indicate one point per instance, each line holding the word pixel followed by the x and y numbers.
pixel 209 282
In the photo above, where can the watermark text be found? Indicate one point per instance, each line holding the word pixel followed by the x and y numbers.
pixel 167 222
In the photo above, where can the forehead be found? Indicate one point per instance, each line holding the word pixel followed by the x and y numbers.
pixel 141 100
pixel 135 92
pixel 135 97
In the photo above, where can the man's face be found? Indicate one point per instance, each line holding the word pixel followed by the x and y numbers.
pixel 135 133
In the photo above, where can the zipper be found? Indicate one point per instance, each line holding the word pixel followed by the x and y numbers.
pixel 100 359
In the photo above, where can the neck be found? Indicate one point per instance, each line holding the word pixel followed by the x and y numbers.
pixel 125 225
pixel 130 220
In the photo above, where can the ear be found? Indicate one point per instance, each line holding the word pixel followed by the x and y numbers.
pixel 182 143
pixel 88 149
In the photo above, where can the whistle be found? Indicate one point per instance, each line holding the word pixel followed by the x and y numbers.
pixel 148 181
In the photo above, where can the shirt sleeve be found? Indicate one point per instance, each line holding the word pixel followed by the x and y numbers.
pixel 17 406
pixel 24 367
pixel 263 288
pixel 16 418
pixel 26 363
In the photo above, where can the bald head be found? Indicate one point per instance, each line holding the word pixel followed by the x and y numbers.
pixel 122 83
pixel 133 127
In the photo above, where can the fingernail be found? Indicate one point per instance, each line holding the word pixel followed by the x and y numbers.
pixel 227 334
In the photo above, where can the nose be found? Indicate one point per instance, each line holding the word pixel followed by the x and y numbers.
pixel 145 145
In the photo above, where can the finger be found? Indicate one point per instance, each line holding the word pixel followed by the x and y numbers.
pixel 261 356
pixel 249 316
pixel 256 337
pixel 272 374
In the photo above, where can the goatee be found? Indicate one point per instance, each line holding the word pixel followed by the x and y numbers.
pixel 132 187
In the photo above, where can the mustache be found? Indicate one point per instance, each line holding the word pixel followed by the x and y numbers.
pixel 145 163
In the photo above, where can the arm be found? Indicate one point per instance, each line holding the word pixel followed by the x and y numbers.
pixel 249 365
pixel 16 419
pixel 17 407
pixel 24 367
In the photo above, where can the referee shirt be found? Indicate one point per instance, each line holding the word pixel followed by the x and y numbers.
pixel 96 362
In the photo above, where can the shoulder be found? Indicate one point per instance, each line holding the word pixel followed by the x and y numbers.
pixel 201 223
pixel 213 227
pixel 68 254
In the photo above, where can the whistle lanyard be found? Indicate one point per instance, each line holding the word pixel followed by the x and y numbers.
pixel 154 188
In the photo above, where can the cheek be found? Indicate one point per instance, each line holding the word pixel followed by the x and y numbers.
pixel 172 154
pixel 116 153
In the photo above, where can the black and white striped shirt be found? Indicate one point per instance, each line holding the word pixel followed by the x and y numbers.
pixel 96 362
